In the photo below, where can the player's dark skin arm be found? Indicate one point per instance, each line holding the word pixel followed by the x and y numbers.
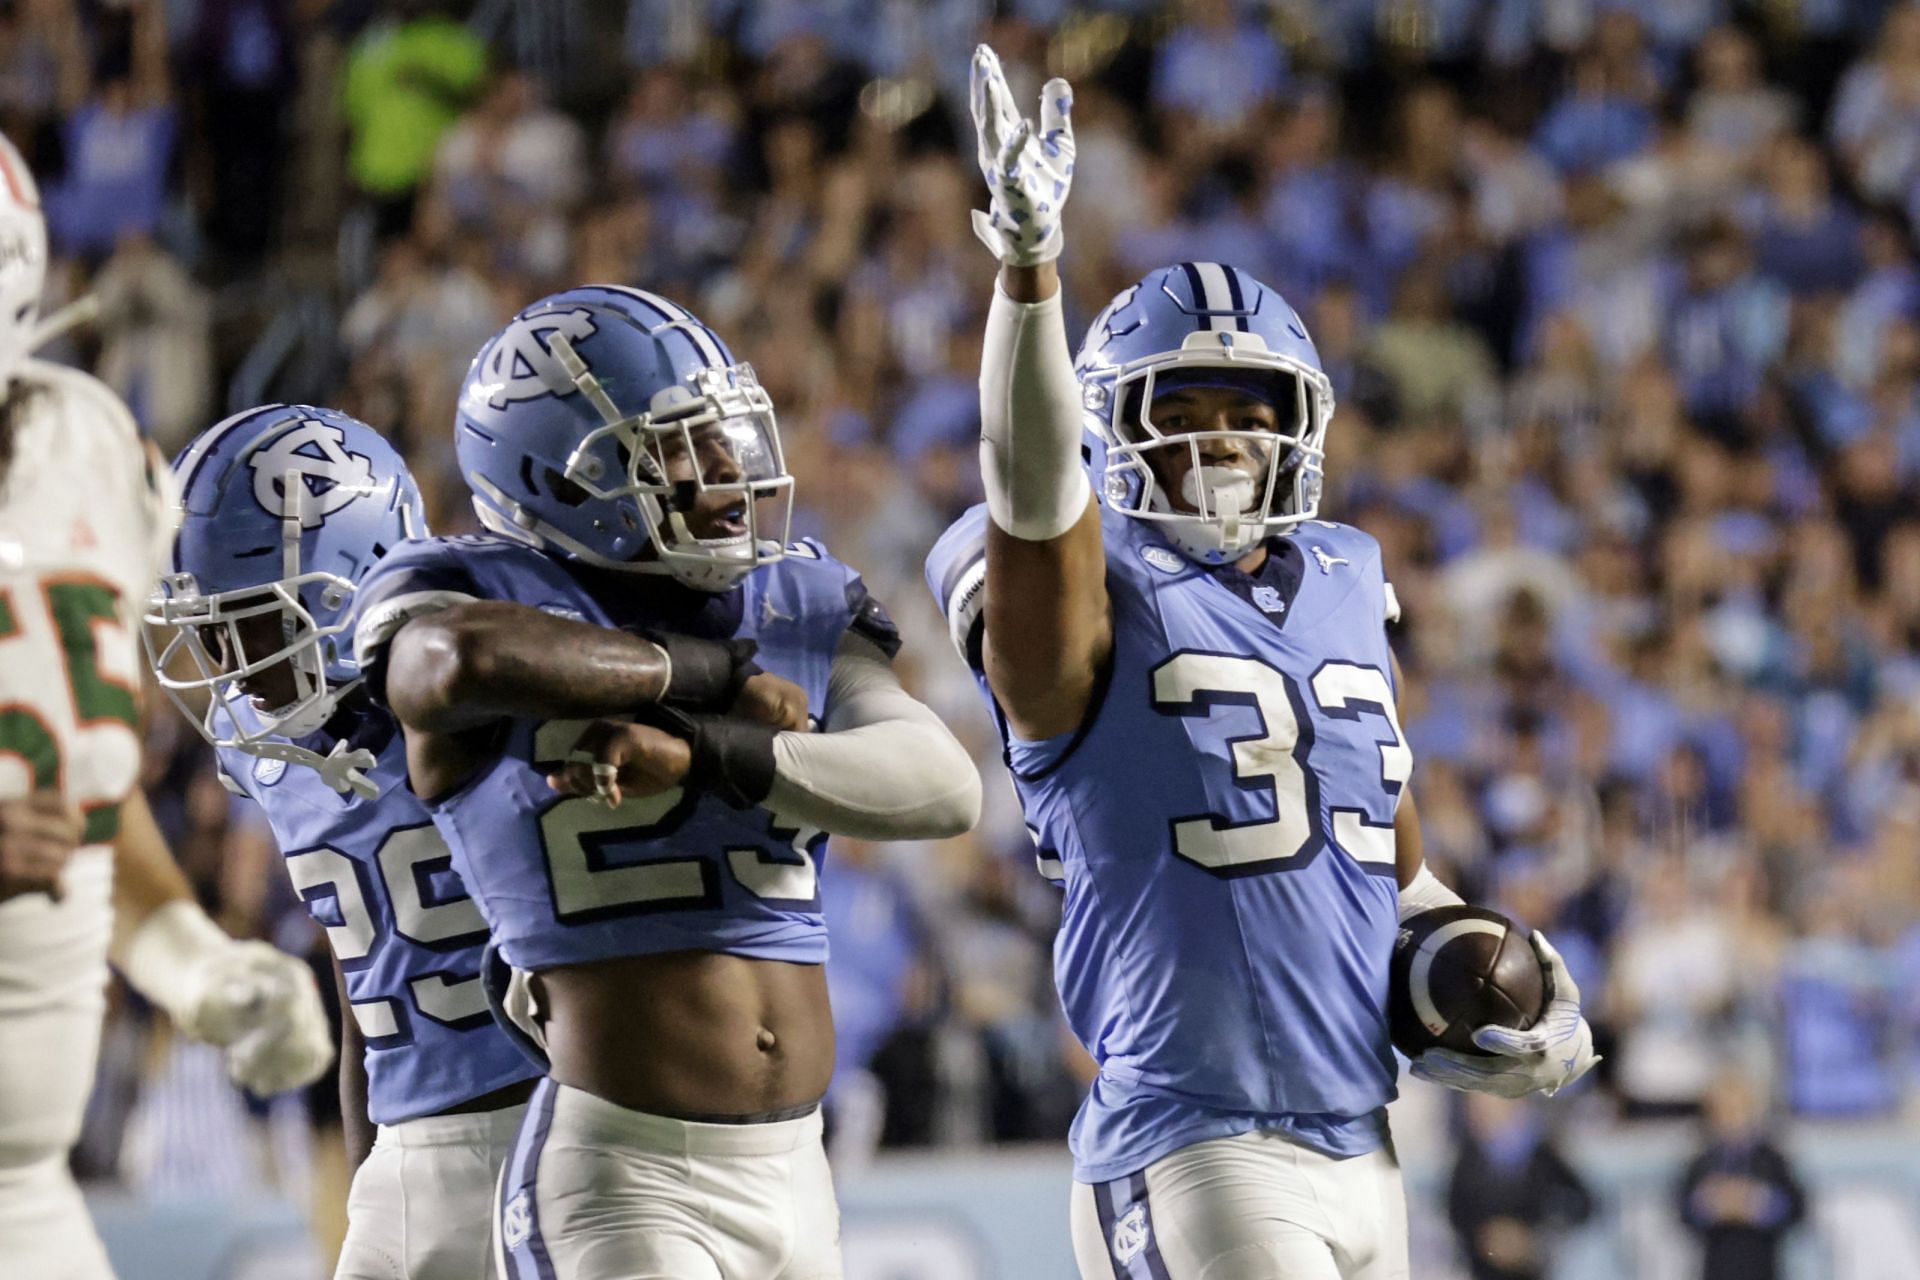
pixel 1049 598
pixel 355 1125
pixel 476 663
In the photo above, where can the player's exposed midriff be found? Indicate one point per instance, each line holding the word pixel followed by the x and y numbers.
pixel 691 1033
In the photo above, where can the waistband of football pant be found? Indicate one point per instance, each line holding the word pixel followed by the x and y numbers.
pixel 477 1128
pixel 582 1118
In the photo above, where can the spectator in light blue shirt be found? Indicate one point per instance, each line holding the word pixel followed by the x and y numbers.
pixel 1837 1016
pixel 1594 125
pixel 1218 66
pixel 119 142
pixel 1725 325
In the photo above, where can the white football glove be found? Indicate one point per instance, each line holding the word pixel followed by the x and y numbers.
pixel 1027 176
pixel 258 1003
pixel 1545 1058
pixel 261 1005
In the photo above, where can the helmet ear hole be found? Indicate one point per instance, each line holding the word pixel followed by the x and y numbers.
pixel 564 490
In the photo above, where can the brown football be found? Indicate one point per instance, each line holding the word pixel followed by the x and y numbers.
pixel 1455 970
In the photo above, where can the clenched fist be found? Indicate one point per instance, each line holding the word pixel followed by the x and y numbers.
pixel 38 833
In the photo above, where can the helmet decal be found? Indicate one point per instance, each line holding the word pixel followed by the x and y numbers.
pixel 310 473
pixel 518 365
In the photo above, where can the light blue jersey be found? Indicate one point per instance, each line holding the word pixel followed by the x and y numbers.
pixel 1223 825
pixel 379 879
pixel 567 880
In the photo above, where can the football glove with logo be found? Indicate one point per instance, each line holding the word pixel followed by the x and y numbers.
pixel 1546 1058
pixel 1027 176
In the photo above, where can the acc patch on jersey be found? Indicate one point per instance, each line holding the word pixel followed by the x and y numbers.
pixel 1165 559
pixel 267 771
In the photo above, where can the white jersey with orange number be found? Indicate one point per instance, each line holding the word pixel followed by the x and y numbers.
pixel 82 521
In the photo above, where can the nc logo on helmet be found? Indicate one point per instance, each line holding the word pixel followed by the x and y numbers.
pixel 519 366
pixel 310 468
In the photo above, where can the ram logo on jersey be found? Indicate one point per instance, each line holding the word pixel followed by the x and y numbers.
pixel 519 365
pixel 314 457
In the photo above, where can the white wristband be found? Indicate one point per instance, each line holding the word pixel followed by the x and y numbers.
pixel 1425 893
pixel 1030 421
pixel 165 958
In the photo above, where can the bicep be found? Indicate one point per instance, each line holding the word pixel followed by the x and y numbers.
pixel 1049 624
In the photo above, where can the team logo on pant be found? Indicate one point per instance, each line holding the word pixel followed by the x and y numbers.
pixel 516 1221
pixel 309 471
pixel 1130 1234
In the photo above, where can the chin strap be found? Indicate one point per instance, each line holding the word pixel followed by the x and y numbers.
pixel 82 310
pixel 345 771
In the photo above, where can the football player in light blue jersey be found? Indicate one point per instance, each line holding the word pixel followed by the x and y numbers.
pixel 607 706
pixel 286 508
pixel 1200 716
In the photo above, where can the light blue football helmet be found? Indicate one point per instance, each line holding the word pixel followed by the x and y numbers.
pixel 1205 323
pixel 284 509
pixel 601 416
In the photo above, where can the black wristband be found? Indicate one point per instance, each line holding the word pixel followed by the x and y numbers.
pixel 706 675
pixel 732 758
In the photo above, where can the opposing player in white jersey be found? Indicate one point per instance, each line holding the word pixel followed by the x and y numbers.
pixel 1193 681
pixel 84 873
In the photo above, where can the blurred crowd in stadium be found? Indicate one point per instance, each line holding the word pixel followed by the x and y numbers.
pixel 1619 299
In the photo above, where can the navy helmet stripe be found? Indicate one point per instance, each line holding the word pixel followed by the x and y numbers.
pixel 1220 301
pixel 207 445
pixel 1240 307
pixel 1196 286
pixel 705 344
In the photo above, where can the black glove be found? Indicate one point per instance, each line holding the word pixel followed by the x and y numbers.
pixel 732 758
pixel 707 675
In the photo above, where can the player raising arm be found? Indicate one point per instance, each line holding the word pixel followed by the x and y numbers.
pixel 286 509
pixel 83 520
pixel 1192 676
pixel 654 880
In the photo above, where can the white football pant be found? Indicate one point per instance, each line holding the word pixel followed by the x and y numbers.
pixel 421 1207
pixel 53 978
pixel 1256 1206
pixel 596 1191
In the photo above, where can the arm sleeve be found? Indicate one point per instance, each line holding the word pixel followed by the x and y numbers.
pixel 1030 421
pixel 884 767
